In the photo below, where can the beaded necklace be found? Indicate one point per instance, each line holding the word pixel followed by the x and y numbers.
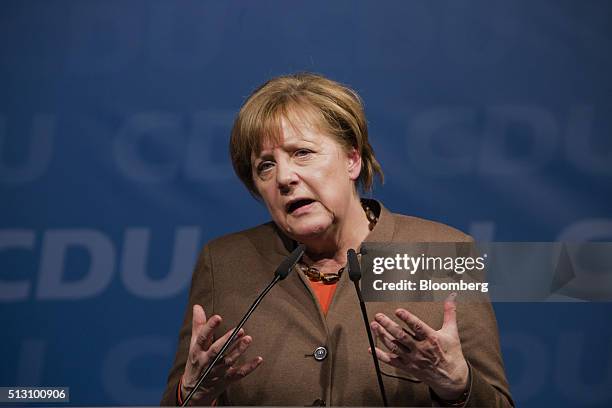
pixel 315 275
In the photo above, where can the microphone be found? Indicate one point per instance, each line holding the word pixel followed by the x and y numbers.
pixel 354 268
pixel 289 262
pixel 281 273
pixel 355 276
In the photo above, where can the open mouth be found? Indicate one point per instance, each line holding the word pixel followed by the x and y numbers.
pixel 291 207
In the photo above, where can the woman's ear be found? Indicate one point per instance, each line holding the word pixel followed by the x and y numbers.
pixel 354 164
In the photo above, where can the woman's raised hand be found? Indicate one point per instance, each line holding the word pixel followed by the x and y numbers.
pixel 434 357
pixel 202 350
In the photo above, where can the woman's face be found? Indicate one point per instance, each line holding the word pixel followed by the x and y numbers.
pixel 306 180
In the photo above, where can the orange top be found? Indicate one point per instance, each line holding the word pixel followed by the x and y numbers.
pixel 325 293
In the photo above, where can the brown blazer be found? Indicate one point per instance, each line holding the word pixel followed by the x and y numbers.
pixel 289 325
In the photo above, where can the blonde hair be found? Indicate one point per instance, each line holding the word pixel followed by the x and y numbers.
pixel 334 108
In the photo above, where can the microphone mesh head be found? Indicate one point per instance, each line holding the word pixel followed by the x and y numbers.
pixel 353 264
pixel 288 263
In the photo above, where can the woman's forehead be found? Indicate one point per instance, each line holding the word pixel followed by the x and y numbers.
pixel 290 130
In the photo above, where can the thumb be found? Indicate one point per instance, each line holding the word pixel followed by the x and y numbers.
pixel 450 314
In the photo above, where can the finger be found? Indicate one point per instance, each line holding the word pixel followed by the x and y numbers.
pixel 450 313
pixel 216 347
pixel 394 346
pixel 237 350
pixel 204 357
pixel 381 355
pixel 218 373
pixel 387 358
pixel 394 330
pixel 237 373
pixel 420 329
pixel 236 342
pixel 198 320
pixel 204 336
pixel 407 339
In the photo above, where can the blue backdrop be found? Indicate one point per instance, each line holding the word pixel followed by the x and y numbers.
pixel 491 116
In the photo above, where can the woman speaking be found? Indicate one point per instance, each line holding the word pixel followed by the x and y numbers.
pixel 300 145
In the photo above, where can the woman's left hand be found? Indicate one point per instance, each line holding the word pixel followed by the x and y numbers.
pixel 434 357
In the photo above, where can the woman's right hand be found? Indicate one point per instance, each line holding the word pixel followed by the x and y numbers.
pixel 202 350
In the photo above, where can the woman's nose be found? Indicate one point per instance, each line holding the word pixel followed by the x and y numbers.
pixel 286 177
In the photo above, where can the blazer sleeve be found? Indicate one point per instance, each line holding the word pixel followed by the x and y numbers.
pixel 479 337
pixel 480 344
pixel 201 292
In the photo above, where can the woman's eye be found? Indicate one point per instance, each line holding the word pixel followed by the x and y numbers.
pixel 302 152
pixel 263 166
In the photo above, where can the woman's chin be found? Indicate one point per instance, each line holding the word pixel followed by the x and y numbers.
pixel 305 231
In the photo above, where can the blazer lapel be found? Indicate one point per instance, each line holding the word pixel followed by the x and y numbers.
pixel 274 251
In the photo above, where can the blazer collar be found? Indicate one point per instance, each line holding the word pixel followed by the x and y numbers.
pixel 385 227
pixel 383 231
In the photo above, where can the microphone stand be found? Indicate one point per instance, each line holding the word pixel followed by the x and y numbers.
pixel 281 273
pixel 355 275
